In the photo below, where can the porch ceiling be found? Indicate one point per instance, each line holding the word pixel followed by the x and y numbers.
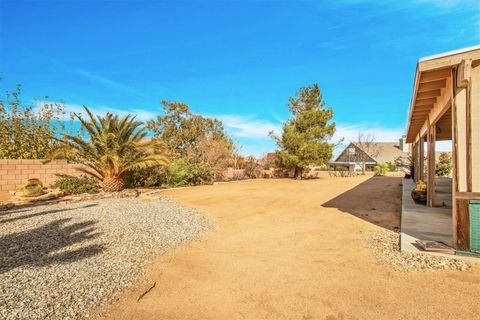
pixel 432 86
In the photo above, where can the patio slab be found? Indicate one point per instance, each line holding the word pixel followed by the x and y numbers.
pixel 420 222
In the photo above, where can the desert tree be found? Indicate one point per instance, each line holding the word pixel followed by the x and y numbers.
pixel 181 130
pixel 305 137
pixel 367 143
pixel 28 131
pixel 201 148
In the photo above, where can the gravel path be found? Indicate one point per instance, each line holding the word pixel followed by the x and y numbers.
pixel 58 261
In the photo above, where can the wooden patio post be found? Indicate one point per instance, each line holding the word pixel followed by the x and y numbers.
pixel 431 136
pixel 421 159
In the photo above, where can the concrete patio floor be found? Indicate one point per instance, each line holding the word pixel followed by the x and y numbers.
pixel 420 222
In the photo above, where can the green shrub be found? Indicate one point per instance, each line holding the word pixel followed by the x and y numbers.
pixel 381 169
pixel 187 172
pixel 77 185
pixel 392 167
pixel 444 165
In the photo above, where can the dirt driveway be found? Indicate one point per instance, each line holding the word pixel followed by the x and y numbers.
pixel 295 250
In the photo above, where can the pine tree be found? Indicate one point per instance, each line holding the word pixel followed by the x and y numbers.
pixel 305 137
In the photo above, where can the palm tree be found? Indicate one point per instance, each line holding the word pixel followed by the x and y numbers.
pixel 115 146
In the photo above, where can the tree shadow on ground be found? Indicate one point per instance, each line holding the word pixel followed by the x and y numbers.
pixel 41 213
pixel 377 200
pixel 48 244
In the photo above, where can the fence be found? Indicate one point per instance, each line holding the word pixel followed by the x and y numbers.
pixel 14 173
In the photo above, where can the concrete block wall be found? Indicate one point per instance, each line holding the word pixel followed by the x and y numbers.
pixel 14 173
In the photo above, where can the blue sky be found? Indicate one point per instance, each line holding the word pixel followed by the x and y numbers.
pixel 237 60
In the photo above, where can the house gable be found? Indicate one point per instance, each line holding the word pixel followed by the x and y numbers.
pixel 352 153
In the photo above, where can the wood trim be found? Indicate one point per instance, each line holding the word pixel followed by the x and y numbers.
pixel 467 195
pixel 454 161
pixel 421 159
pixel 431 165
pixel 429 76
pixel 428 86
pixel 463 224
pixel 469 132
pixel 445 61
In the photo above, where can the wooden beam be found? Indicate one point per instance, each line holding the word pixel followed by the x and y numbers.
pixel 421 157
pixel 427 86
pixel 463 224
pixel 440 107
pixel 431 164
pixel 455 164
pixel 428 94
pixel 425 102
pixel 468 195
pixel 430 76
pixel 475 125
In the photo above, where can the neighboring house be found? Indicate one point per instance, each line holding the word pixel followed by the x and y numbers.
pixel 353 158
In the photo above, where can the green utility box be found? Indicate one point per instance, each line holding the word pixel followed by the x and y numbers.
pixel 474 210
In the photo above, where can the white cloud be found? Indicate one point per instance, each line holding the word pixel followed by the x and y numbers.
pixel 248 126
pixel 98 78
pixel 104 80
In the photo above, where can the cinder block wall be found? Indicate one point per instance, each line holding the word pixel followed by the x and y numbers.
pixel 14 173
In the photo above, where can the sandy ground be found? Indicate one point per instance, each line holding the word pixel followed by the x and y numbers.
pixel 288 249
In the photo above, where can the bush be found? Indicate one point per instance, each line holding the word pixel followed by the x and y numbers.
pixel 77 185
pixel 186 172
pixel 444 165
pixel 146 177
pixel 253 169
pixel 26 131
pixel 381 169
pixel 392 166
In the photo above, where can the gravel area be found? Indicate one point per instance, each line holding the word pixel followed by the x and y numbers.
pixel 59 261
pixel 385 245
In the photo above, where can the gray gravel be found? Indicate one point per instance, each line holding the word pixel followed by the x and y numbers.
pixel 385 246
pixel 59 261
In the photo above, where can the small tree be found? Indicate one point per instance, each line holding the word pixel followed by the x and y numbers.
pixel 444 165
pixel 27 132
pixel 367 143
pixel 115 146
pixel 305 137
pixel 181 130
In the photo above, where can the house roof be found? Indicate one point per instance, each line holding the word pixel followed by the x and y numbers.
pixel 387 152
pixel 382 152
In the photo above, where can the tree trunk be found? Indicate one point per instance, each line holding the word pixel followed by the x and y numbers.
pixel 112 184
pixel 297 174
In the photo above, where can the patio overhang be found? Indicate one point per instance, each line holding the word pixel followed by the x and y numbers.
pixel 433 91
pixel 445 105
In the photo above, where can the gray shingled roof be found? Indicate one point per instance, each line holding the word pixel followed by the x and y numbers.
pixel 386 152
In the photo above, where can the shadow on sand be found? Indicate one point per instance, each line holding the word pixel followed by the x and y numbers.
pixel 48 244
pixel 377 200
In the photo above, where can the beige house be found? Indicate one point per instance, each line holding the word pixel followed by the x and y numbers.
pixel 445 105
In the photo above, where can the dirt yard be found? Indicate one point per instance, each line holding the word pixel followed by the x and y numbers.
pixel 288 249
